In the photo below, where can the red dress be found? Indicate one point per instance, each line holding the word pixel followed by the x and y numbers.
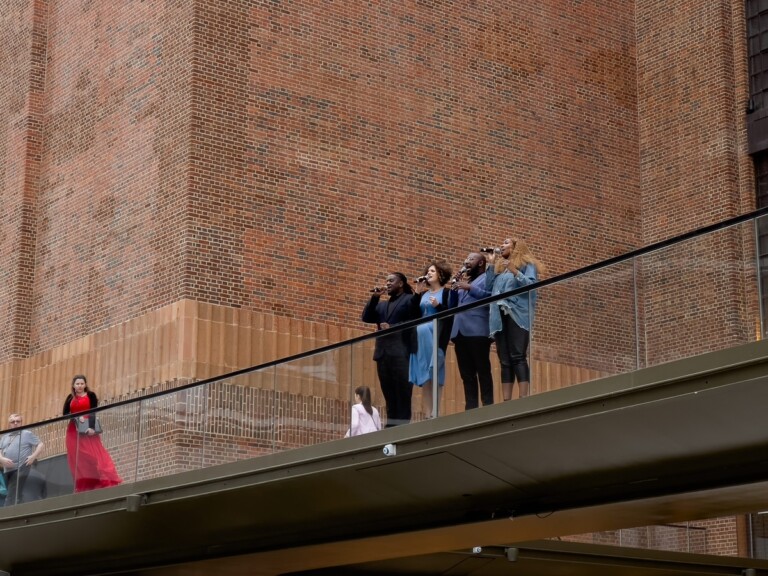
pixel 90 463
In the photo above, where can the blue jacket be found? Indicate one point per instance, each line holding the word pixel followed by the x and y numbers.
pixel 519 307
pixel 472 322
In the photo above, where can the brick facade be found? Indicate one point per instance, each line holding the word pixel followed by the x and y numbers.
pixel 250 155
pixel 270 161
pixel 228 153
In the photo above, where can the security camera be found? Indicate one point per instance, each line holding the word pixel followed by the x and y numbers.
pixel 390 450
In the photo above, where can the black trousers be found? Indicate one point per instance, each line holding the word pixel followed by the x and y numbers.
pixel 512 348
pixel 473 358
pixel 393 378
pixel 24 485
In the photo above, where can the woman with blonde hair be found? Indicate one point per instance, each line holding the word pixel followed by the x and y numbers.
pixel 510 319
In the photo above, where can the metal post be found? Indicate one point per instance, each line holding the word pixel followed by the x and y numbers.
pixel 530 344
pixel 759 274
pixel 435 370
pixel 637 315
pixel 138 442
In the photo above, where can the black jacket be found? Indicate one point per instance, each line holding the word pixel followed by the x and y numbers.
pixel 444 325
pixel 393 311
pixel 94 402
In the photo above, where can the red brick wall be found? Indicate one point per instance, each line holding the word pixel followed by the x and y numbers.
pixel 251 154
pixel 694 171
pixel 23 33
pixel 691 107
pixel 112 201
pixel 384 136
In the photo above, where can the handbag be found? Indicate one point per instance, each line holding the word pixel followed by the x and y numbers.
pixel 83 425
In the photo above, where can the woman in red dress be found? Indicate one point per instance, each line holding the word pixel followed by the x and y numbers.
pixel 90 463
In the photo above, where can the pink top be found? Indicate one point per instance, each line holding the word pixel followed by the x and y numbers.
pixel 362 422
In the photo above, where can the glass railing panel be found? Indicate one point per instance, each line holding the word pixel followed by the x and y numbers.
pixel 312 395
pixel 103 453
pixel 668 537
pixel 22 478
pixel 101 447
pixel 584 328
pixel 675 302
pixel 121 439
pixel 633 313
pixel 237 417
pixel 760 231
pixel 399 367
pixel 361 376
pixel 699 295
pixel 51 465
pixel 472 370
pixel 171 430
pixel 683 538
pixel 757 534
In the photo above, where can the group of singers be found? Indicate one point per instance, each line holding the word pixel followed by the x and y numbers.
pixel 404 359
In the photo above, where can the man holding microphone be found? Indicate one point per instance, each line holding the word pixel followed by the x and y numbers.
pixel 470 332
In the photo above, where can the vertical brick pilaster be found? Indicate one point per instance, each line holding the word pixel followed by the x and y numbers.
pixel 24 141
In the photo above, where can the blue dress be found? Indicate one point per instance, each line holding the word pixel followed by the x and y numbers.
pixel 420 369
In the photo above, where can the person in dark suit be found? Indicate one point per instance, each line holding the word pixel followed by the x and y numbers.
pixel 392 352
pixel 470 332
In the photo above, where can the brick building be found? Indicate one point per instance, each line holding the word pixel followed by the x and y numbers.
pixel 194 187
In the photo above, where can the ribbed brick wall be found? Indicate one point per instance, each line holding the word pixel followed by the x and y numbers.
pixel 191 341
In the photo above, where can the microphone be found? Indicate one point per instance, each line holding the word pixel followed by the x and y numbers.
pixel 459 274
pixel 420 279
pixel 491 250
pixel 377 290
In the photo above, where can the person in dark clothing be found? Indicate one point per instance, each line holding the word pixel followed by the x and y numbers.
pixel 392 352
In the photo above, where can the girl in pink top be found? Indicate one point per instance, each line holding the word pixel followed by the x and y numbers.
pixel 365 418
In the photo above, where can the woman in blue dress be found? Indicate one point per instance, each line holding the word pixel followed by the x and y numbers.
pixel 433 294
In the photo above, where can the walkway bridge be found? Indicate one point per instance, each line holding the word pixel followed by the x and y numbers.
pixel 660 443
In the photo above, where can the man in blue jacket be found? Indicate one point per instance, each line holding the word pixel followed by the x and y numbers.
pixel 470 332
